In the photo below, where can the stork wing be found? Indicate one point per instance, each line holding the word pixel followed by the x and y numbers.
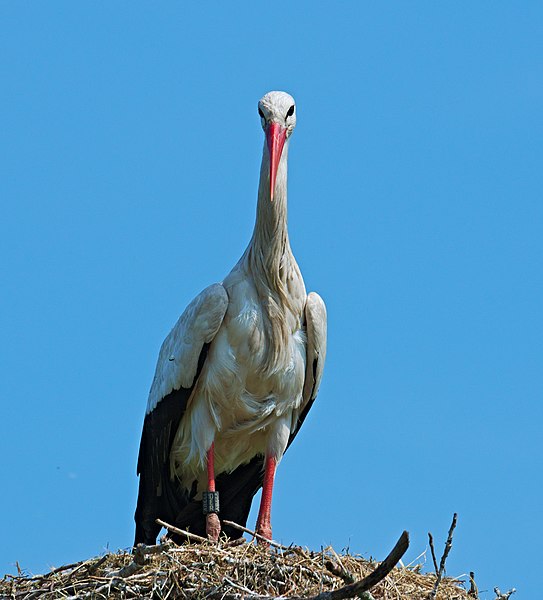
pixel 180 361
pixel 315 318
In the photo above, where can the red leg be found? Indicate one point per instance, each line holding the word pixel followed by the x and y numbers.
pixel 263 523
pixel 211 468
pixel 213 525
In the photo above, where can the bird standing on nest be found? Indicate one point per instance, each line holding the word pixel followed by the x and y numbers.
pixel 237 374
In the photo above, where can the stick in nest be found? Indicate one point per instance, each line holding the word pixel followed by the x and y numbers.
pixel 448 546
pixel 141 552
pixel 256 535
pixel 431 542
pixel 187 534
pixel 473 589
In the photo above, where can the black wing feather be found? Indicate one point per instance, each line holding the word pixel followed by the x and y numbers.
pixel 161 496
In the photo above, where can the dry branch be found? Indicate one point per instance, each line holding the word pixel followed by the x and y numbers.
pixel 473 589
pixel 448 546
pixel 187 534
pixel 256 535
pixel 505 595
pixel 141 554
pixel 432 550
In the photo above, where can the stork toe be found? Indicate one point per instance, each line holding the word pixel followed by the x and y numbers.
pixel 213 527
pixel 265 531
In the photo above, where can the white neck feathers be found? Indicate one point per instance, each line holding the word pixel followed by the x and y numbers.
pixel 270 260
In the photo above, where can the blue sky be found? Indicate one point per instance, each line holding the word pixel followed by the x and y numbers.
pixel 129 160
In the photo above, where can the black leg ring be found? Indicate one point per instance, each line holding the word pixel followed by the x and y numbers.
pixel 210 502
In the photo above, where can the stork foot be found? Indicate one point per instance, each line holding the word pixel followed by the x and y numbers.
pixel 213 527
pixel 266 532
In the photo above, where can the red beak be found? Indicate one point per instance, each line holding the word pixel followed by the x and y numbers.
pixel 275 136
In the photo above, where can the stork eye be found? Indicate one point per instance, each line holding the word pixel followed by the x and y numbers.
pixel 261 113
pixel 290 111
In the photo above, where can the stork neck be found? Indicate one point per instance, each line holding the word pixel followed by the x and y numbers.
pixel 272 266
pixel 270 236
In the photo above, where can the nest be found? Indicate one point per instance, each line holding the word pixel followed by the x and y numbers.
pixel 228 571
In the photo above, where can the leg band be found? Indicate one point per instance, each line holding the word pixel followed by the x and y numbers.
pixel 210 502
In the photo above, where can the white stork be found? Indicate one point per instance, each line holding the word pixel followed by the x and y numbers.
pixel 237 374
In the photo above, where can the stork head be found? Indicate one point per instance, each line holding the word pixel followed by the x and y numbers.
pixel 277 112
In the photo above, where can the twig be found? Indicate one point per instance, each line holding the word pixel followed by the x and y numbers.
pixel 238 586
pixel 448 546
pixel 257 535
pixel 473 589
pixel 92 568
pixel 505 595
pixel 141 552
pixel 322 572
pixel 431 541
pixel 46 575
pixel 126 571
pixel 90 565
pixel 188 535
pixel 173 529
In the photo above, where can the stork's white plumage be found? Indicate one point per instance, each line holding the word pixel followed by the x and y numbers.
pixel 237 373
